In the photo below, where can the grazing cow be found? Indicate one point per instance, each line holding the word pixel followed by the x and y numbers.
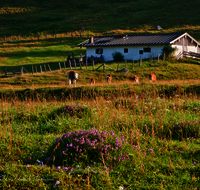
pixel 152 78
pixel 72 77
pixel 108 78
pixel 92 81
pixel 135 79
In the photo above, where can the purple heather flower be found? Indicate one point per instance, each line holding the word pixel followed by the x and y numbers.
pixel 43 152
pixel 151 150
pixel 66 168
pixel 194 163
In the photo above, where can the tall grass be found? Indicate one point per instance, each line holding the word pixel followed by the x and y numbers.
pixel 162 134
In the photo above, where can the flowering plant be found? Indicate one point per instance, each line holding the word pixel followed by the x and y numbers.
pixel 76 110
pixel 88 147
pixel 186 130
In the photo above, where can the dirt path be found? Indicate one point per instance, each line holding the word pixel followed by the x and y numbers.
pixel 161 82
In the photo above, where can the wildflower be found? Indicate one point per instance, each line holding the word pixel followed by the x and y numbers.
pixel 59 124
pixel 194 163
pixel 151 150
pixel 79 175
pixel 154 172
pixel 59 167
pixel 43 152
pixel 66 168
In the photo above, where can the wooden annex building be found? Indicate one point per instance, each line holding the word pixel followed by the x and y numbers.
pixel 136 46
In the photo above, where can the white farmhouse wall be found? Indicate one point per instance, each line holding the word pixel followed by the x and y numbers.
pixel 133 52
pixel 180 49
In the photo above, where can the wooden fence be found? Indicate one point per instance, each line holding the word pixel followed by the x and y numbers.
pixel 70 64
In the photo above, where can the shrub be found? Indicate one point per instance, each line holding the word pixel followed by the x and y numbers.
pixel 117 56
pixel 76 110
pixel 88 147
pixel 168 51
pixel 186 130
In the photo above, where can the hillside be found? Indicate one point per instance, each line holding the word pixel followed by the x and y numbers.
pixel 33 17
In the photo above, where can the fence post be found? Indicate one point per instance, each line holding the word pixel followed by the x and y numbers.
pixel 72 58
pixel 21 70
pixel 55 36
pixel 36 69
pixel 32 69
pixel 93 64
pixel 104 67
pixel 49 67
pixel 158 57
pixel 163 56
pixel 151 58
pixel 86 64
pixel 45 68
pixel 11 38
pixel 46 36
pixel 70 65
pixel 40 68
pixel 18 38
pixel 140 60
pixel 80 64
pixel 132 63
pixel 118 67
pixel 59 65
pixel 64 65
pixel 75 63
pixel 25 38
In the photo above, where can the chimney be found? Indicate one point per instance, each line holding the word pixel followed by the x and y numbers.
pixel 92 40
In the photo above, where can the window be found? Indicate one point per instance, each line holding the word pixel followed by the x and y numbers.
pixel 125 50
pixel 141 52
pixel 148 49
pixel 99 51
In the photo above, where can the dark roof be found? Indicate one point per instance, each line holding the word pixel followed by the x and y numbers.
pixel 153 39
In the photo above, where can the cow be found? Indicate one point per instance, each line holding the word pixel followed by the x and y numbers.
pixel 72 77
pixel 135 79
pixel 92 81
pixel 152 78
pixel 108 78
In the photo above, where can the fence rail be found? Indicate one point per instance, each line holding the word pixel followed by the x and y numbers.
pixel 190 55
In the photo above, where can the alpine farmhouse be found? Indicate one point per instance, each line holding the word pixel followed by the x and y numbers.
pixel 136 46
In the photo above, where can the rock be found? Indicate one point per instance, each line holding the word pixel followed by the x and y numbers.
pixel 125 71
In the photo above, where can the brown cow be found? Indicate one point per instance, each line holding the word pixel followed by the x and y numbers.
pixel 108 78
pixel 135 79
pixel 152 78
pixel 72 77
pixel 92 81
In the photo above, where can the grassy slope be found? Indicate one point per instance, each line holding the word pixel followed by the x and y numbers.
pixel 20 17
pixel 52 51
